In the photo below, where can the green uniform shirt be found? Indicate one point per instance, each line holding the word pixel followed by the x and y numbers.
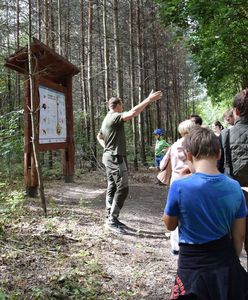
pixel 114 134
pixel 159 147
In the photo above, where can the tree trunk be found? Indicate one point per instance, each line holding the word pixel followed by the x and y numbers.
pixel 84 98
pixel 9 98
pixel 140 84
pixel 59 28
pixel 67 31
pixel 47 23
pixel 38 19
pixel 132 84
pixel 155 59
pixel 119 89
pixel 90 88
pixel 101 102
pixel 52 31
pixel 33 117
pixel 18 91
pixel 106 53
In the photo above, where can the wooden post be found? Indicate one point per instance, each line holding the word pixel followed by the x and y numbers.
pixel 69 152
pixel 30 174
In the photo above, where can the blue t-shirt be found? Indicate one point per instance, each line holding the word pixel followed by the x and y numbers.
pixel 206 206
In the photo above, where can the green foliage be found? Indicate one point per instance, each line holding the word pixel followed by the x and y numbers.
pixel 2 295
pixel 55 171
pixel 211 112
pixel 11 143
pixel 11 203
pixel 216 32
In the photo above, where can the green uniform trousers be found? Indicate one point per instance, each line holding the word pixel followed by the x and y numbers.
pixel 117 177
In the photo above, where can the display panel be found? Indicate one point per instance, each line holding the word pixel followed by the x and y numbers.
pixel 52 125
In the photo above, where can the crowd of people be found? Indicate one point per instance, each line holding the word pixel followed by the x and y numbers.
pixel 206 208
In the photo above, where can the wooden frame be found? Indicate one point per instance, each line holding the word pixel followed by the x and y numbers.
pixel 55 72
pixel 62 89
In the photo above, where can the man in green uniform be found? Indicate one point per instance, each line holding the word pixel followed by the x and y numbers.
pixel 112 138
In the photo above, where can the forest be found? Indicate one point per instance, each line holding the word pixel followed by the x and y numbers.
pixel 195 52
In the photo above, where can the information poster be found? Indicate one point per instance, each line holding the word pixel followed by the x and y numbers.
pixel 52 127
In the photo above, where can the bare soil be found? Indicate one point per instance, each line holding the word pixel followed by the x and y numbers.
pixel 70 255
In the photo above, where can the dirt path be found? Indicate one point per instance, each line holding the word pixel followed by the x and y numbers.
pixel 138 265
pixel 140 261
pixel 70 255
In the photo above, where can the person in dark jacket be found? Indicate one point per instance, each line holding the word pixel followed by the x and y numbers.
pixel 235 146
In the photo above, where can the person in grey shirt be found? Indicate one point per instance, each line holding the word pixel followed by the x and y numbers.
pixel 112 138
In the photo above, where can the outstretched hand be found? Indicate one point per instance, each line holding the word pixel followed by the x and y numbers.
pixel 154 96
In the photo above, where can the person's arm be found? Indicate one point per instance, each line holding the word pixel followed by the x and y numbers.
pixel 171 211
pixel 136 110
pixel 100 139
pixel 170 222
pixel 238 234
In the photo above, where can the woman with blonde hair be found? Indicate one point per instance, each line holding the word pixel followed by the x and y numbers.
pixel 178 158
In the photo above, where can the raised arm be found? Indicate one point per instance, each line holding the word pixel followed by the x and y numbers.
pixel 136 110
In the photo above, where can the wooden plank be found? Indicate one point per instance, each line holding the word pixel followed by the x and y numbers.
pixel 69 152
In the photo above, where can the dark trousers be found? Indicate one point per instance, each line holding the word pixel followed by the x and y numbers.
pixel 210 271
pixel 117 177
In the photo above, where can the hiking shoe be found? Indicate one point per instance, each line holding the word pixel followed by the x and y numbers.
pixel 120 224
pixel 115 227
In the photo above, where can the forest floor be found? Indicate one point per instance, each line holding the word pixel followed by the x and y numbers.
pixel 70 255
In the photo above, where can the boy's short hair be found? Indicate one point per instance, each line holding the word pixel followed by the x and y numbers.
pixel 241 103
pixel 113 102
pixel 185 127
pixel 202 142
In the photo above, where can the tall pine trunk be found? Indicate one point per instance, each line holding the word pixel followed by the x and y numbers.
pixel 140 85
pixel 106 53
pixel 84 97
pixel 119 88
pixel 33 114
pixel 93 153
pixel 132 84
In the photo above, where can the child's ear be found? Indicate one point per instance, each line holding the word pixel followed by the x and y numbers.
pixel 189 156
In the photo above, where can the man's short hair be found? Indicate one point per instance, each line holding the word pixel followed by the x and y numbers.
pixel 202 142
pixel 241 103
pixel 113 102
pixel 197 119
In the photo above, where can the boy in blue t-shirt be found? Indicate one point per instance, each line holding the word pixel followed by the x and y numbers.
pixel 209 209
